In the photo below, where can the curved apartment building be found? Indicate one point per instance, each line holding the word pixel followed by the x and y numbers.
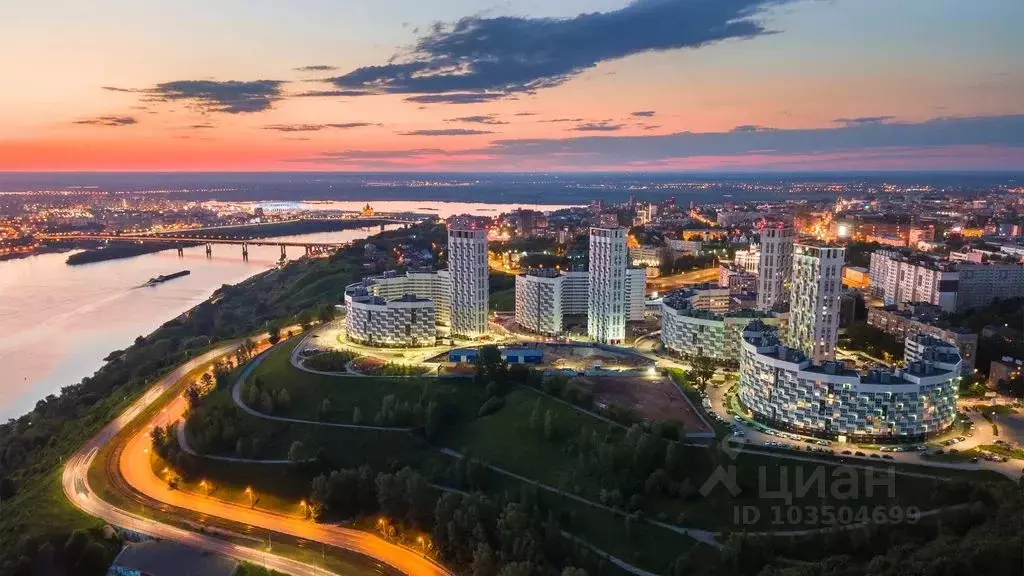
pixel 699 322
pixel 406 322
pixel 784 389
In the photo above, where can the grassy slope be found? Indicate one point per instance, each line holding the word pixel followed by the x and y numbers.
pixel 506 439
pixel 308 390
pixel 503 300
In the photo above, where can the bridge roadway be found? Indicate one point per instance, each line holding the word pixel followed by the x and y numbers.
pixel 187 237
pixel 192 240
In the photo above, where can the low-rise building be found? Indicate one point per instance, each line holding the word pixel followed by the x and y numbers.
pixel 652 256
pixel 733 217
pixel 1003 371
pixel 856 277
pixel 983 284
pixel 749 259
pixel 913 318
pixel 736 278
pixel 681 246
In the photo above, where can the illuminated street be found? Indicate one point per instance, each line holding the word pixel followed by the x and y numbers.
pixel 135 468
pixel 667 283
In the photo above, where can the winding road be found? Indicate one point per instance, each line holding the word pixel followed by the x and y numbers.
pixel 135 472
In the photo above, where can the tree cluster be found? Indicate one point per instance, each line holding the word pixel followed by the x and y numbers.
pixel 79 555
pixel 259 396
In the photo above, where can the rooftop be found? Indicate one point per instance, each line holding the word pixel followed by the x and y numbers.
pixel 542 272
pixel 166 558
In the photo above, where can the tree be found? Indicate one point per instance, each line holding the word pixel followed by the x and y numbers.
pixel 207 380
pixel 296 453
pixel 274 333
pixel 535 416
pixel 573 571
pixel 93 561
pixel 193 396
pixel 75 544
pixel 516 569
pixel 305 319
pixel 326 313
pixel 158 439
pixel 702 369
pixel 323 411
pixel 252 394
pixel 490 366
pixel 267 403
pixel 284 400
pixel 549 426
pixel 483 559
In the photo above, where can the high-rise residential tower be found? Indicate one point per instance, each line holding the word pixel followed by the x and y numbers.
pixel 775 265
pixel 467 267
pixel 606 294
pixel 814 302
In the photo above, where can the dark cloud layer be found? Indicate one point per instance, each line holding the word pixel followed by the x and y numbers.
pixel 451 98
pixel 643 113
pixel 446 132
pixel 316 68
pixel 751 128
pixel 480 119
pixel 229 96
pixel 864 120
pixel 479 59
pixel 329 93
pixel 866 138
pixel 109 121
pixel 598 127
pixel 317 127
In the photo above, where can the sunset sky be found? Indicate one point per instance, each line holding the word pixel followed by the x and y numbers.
pixel 531 85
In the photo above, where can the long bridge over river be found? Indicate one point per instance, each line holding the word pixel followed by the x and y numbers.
pixel 209 237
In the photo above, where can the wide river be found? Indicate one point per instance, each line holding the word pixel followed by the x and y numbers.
pixel 58 322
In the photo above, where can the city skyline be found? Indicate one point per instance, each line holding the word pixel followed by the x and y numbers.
pixel 652 85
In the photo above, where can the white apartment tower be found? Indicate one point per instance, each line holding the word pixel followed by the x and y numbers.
pixel 814 300
pixel 775 265
pixel 606 294
pixel 467 268
pixel 539 295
